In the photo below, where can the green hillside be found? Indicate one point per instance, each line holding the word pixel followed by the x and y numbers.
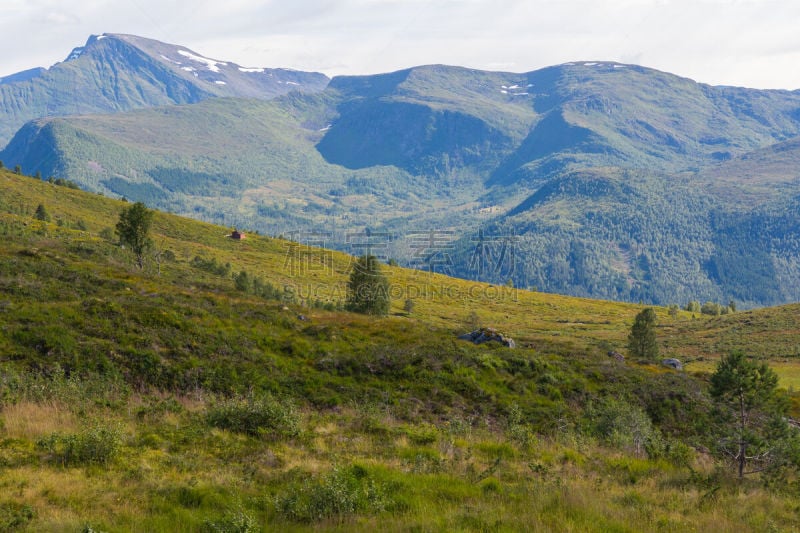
pixel 167 399
pixel 612 181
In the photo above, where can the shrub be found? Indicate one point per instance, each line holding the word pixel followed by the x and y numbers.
pixel 107 234
pixel 422 434
pixel 517 429
pixel 623 425
pixel 97 445
pixel 341 493
pixel 256 416
pixel 678 453
pixel 673 310
pixel 14 516
pixel 211 266
pixel 237 521
pixel 243 282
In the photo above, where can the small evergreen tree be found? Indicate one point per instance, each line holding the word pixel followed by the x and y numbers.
pixel 642 338
pixel 368 288
pixel 408 306
pixel 133 230
pixel 41 213
pixel 243 282
pixel 752 416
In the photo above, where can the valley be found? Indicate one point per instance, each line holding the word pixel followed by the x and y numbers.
pixel 589 159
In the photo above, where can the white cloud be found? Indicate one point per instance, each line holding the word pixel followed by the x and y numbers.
pixel 735 42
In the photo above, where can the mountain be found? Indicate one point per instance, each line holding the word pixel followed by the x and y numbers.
pixel 771 172
pixel 593 178
pixel 115 72
pixel 600 113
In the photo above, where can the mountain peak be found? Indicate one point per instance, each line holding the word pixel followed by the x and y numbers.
pixel 118 72
pixel 78 51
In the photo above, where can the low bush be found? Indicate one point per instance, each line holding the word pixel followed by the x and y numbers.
pixel 623 426
pixel 96 445
pixel 256 416
pixel 235 521
pixel 341 493
pixel 15 516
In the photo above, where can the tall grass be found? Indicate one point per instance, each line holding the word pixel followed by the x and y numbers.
pixel 31 420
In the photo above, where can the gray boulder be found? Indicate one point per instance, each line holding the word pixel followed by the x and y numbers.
pixel 616 355
pixel 482 335
pixel 672 363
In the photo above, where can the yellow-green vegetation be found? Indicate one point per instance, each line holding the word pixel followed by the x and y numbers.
pixel 185 396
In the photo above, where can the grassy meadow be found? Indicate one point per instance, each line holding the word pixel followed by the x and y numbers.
pixel 180 398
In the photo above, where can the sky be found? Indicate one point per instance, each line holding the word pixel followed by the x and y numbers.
pixel 752 43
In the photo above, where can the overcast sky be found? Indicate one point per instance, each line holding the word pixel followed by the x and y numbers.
pixel 753 43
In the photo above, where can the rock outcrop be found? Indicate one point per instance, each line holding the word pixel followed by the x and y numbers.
pixel 482 335
pixel 672 363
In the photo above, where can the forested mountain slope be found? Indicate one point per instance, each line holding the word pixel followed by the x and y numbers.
pixel 603 179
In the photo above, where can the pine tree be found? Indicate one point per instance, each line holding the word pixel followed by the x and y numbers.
pixel 41 213
pixel 642 338
pixel 368 288
pixel 752 412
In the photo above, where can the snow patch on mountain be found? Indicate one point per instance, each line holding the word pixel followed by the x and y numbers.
pixel 76 53
pixel 211 64
pixel 514 90
pixel 165 58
